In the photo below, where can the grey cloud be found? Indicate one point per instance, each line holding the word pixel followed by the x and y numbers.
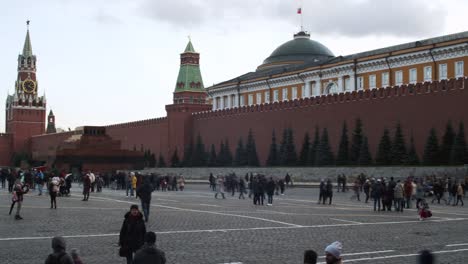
pixel 373 17
pixel 344 17
pixel 105 18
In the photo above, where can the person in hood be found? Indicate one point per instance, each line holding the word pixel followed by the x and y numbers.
pixel 60 255
pixel 149 254
pixel 132 232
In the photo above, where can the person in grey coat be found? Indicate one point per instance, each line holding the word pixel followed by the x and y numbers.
pixel 60 255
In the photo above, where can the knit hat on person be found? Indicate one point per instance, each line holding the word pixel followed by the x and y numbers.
pixel 335 249
pixel 58 242
pixel 134 206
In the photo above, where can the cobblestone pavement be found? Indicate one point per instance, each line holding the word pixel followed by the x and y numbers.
pixel 193 227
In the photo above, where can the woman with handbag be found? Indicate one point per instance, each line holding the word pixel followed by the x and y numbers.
pixel 132 233
pixel 18 190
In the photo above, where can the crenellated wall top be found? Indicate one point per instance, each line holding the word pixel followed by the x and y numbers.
pixel 348 97
pixel 139 123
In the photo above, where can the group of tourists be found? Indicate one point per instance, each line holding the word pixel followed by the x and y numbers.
pixel 258 185
pixel 135 244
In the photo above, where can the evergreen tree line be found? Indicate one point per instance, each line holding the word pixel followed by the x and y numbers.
pixel 353 150
pixel 197 155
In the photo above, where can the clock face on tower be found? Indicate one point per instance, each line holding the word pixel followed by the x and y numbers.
pixel 29 86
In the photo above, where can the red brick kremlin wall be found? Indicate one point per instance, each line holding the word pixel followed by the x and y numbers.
pixel 152 134
pixel 417 107
pixel 6 141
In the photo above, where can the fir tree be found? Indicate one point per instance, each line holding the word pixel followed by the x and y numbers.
pixel 175 161
pixel 459 153
pixel 304 156
pixel 384 157
pixel 413 158
pixel 273 159
pixel 343 149
pixel 282 151
pixel 398 151
pixel 152 160
pixel 251 149
pixel 240 159
pixel 447 144
pixel 188 152
pixel 324 155
pixel 356 143
pixel 313 148
pixel 290 150
pixel 212 158
pixel 199 153
pixel 431 149
pixel 161 161
pixel 221 155
pixel 364 155
pixel 227 153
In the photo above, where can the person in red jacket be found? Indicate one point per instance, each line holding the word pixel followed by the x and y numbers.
pixel 408 191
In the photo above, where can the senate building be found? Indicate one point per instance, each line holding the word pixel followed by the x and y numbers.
pixel 302 68
pixel 301 86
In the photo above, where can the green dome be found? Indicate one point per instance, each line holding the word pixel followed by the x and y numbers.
pixel 299 50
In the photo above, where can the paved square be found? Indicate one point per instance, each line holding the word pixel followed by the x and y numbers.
pixel 193 227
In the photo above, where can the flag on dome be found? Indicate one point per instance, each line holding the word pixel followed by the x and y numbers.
pixel 299 10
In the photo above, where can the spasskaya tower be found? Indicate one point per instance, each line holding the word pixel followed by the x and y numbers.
pixel 25 109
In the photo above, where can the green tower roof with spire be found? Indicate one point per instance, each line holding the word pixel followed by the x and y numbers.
pixel 189 78
pixel 189 47
pixel 27 49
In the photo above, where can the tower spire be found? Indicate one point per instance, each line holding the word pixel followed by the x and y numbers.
pixel 27 49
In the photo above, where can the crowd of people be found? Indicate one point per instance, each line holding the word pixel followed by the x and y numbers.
pixel 138 246
pixel 259 186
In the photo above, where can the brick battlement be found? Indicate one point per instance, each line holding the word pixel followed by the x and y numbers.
pixel 53 135
pixel 6 135
pixel 139 123
pixel 348 97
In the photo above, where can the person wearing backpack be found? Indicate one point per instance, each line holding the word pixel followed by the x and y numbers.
pixel 60 256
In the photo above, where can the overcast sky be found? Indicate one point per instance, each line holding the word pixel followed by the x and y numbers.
pixel 103 62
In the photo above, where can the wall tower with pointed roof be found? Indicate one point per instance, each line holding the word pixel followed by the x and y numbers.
pixel 51 123
pixel 189 97
pixel 25 109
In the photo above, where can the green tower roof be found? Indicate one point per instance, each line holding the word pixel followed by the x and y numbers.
pixel 189 47
pixel 27 49
pixel 189 78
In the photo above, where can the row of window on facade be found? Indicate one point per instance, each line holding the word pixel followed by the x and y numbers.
pixel 413 76
pixel 331 87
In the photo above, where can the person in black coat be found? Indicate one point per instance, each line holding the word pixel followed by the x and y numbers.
pixel 144 192
pixel 270 190
pixel 132 233
pixel 149 254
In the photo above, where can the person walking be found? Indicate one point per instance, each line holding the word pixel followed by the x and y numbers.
pixel 18 191
pixel 60 255
pixel 149 254
pixel 134 180
pixel 459 194
pixel 144 192
pixel 220 186
pixel 329 192
pixel 39 180
pixel 86 186
pixel 132 233
pixel 241 188
pixel 128 184
pixel 270 190
pixel 377 191
pixel 53 190
pixel 398 196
